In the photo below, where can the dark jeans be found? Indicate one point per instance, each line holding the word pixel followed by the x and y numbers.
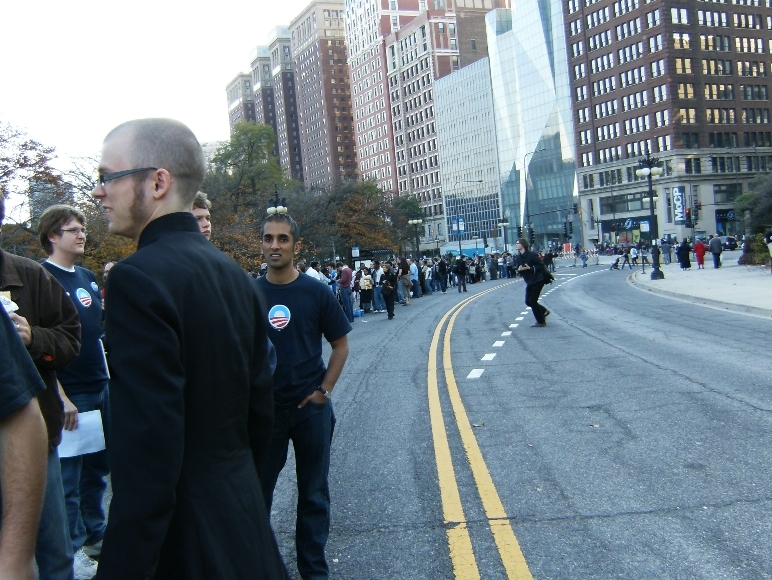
pixel 345 297
pixel 83 478
pixel 532 292
pixel 461 282
pixel 716 260
pixel 416 286
pixel 310 430
pixel 390 303
pixel 53 548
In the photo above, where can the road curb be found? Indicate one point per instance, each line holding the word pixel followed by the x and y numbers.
pixel 740 308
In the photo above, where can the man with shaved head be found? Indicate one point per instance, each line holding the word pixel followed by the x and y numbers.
pixel 192 406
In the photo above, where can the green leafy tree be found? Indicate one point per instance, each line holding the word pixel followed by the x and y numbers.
pixel 757 203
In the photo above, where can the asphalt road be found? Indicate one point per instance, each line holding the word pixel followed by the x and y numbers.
pixel 630 438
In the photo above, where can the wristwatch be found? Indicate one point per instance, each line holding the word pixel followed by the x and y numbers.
pixel 327 394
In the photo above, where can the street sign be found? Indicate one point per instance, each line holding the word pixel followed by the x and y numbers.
pixel 455 225
pixel 355 252
pixel 461 223
pixel 679 195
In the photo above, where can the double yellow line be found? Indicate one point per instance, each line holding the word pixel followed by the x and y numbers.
pixel 459 541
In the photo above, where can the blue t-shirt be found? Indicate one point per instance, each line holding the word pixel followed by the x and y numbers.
pixel 299 314
pixel 18 376
pixel 87 373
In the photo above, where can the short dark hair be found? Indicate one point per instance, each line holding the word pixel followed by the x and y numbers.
pixel 167 144
pixel 338 264
pixel 201 201
pixel 282 217
pixel 314 264
pixel 52 220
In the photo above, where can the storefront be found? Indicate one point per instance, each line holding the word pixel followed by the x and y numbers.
pixel 727 223
pixel 625 230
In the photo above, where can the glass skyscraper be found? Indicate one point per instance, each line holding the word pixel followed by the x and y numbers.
pixel 534 127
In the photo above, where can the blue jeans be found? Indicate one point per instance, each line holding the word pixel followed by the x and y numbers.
pixel 416 288
pixel 380 303
pixel 83 478
pixel 53 549
pixel 310 430
pixel 429 289
pixel 345 296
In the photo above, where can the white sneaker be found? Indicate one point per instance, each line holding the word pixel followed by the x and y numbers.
pixel 85 567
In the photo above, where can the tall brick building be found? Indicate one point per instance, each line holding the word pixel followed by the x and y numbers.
pixel 325 116
pixel 686 81
pixel 241 106
pixel 262 83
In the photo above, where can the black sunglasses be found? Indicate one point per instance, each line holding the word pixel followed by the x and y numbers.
pixel 103 178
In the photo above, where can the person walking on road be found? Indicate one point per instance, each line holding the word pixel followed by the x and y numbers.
pixel 389 288
pixel 626 259
pixel 530 267
pixel 716 247
pixel 699 253
pixel 683 253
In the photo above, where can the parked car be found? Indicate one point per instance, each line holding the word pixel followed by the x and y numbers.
pixel 729 242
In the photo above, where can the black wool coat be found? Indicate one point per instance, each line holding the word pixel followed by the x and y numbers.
pixel 192 411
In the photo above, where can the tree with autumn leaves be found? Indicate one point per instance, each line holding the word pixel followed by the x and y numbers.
pixel 242 180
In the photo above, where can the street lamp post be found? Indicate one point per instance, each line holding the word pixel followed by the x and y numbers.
pixel 279 206
pixel 648 169
pixel 527 223
pixel 504 224
pixel 415 223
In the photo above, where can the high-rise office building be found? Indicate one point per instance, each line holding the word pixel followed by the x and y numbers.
pixel 532 111
pixel 466 137
pixel 262 83
pixel 685 82
pixel 368 22
pixel 324 105
pixel 241 106
pixel 285 99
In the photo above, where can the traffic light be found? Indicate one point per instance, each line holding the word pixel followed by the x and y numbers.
pixel 696 210
pixel 688 218
pixel 576 208
pixel 565 229
pixel 519 232
pixel 571 228
pixel 532 236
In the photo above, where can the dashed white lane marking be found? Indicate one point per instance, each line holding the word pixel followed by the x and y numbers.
pixel 489 356
pixel 526 311
pixel 507 333
pixel 475 374
pixel 498 343
pixel 519 318
pixel 513 326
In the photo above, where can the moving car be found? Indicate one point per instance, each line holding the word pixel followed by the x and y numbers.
pixel 729 242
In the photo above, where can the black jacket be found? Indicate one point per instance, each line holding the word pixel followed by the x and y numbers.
pixel 192 411
pixel 534 275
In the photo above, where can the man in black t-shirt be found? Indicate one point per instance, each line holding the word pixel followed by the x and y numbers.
pixel 300 312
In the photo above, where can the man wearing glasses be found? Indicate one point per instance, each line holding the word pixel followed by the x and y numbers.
pixel 192 403
pixel 83 384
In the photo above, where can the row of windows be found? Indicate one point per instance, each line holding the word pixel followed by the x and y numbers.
pixel 725 116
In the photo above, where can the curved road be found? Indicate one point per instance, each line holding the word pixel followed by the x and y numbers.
pixel 630 438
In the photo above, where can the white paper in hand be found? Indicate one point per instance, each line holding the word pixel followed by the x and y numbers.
pixel 89 437
pixel 8 304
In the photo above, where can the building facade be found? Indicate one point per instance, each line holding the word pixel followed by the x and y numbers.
pixel 262 83
pixel 532 112
pixel 241 105
pixel 285 99
pixel 685 82
pixel 466 134
pixel 368 23
pixel 323 94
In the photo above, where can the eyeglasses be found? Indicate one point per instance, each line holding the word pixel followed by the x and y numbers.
pixel 104 178
pixel 75 231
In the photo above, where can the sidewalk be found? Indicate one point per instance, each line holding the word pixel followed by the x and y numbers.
pixel 746 289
